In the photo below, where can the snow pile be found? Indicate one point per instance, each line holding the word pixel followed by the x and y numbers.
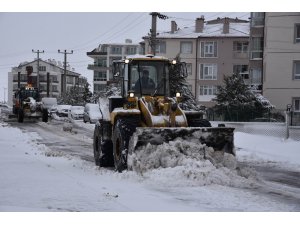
pixel 104 107
pixel 183 163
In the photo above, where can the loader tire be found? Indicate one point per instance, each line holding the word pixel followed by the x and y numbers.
pixel 45 115
pixel 20 115
pixel 124 128
pixel 102 151
pixel 199 123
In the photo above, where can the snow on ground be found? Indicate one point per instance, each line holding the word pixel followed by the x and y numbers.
pixel 33 179
pixel 268 149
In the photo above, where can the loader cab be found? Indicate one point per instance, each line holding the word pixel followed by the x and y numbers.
pixel 143 76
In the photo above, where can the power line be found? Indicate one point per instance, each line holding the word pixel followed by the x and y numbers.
pixel 104 33
pixel 128 27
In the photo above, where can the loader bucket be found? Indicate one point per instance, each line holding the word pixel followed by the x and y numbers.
pixel 219 138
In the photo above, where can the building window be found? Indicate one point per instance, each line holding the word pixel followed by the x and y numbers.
pixel 208 71
pixel 186 47
pixel 256 76
pixel 189 68
pixel 70 80
pixel 101 62
pixel 42 68
pixel 160 47
pixel 54 78
pixel 209 49
pixel 99 87
pixel 43 87
pixel 240 47
pixel 241 70
pixel 296 70
pixel 257 48
pixel 296 104
pixel 116 50
pixel 130 50
pixel 54 88
pixel 100 76
pixel 257 19
pixel 208 90
pixel 297 33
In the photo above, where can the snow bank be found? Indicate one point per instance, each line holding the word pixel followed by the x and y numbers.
pixel 185 163
pixel 267 149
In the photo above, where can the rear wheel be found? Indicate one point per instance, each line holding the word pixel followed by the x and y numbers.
pixel 45 115
pixel 20 115
pixel 102 150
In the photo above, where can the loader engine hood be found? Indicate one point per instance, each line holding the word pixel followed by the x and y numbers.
pixel 161 112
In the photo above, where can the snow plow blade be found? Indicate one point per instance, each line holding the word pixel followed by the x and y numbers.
pixel 219 138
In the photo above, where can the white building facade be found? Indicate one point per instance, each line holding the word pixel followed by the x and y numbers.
pixel 103 57
pixel 50 78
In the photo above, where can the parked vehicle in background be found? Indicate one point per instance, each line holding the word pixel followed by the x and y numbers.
pixel 76 112
pixel 52 110
pixel 48 102
pixel 63 110
pixel 91 113
pixel 5 109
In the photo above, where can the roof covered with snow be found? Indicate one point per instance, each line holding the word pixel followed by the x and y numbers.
pixel 209 30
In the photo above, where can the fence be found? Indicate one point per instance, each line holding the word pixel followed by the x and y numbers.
pixel 264 128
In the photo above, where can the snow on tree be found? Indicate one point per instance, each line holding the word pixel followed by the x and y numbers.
pixel 178 83
pixel 76 96
pixel 237 102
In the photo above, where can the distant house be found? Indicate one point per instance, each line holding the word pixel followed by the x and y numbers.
pixel 211 50
pixel 103 56
pixel 50 77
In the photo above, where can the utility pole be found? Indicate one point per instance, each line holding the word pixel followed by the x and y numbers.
pixel 63 77
pixel 38 67
pixel 152 41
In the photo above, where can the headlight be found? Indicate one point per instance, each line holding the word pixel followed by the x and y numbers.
pixel 174 62
pixel 131 95
pixel 126 61
pixel 178 94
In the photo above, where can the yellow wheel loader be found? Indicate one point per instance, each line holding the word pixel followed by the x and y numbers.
pixel 146 113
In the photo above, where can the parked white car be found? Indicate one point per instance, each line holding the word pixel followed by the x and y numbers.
pixel 91 113
pixel 5 109
pixel 76 112
pixel 63 110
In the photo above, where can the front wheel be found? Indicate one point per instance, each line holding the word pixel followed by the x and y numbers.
pixel 121 136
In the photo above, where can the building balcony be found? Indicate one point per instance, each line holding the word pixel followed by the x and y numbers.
pixel 96 54
pixel 240 55
pixel 97 67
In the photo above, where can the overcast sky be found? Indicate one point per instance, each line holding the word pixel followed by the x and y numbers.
pixel 81 32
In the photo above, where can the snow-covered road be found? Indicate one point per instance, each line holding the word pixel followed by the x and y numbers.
pixel 35 179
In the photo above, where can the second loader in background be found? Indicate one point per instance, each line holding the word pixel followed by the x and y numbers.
pixel 146 113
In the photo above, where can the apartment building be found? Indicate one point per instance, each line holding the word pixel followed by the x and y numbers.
pixel 103 57
pixel 282 59
pixel 50 78
pixel 211 49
